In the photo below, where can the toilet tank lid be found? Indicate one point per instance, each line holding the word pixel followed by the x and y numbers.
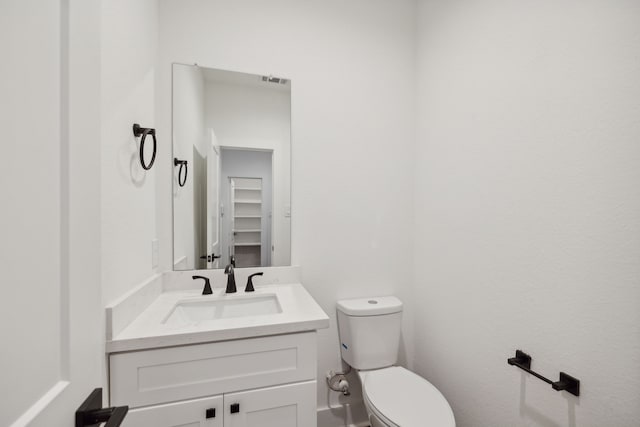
pixel 371 306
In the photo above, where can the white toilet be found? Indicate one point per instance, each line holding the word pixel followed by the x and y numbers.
pixel 369 342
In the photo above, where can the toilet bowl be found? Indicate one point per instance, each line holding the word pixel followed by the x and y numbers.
pixel 396 396
pixel 393 396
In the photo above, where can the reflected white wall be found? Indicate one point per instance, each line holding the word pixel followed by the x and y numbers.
pixel 189 131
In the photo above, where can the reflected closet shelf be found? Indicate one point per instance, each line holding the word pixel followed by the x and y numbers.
pixel 247 188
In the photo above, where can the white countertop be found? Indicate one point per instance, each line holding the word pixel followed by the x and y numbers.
pixel 300 312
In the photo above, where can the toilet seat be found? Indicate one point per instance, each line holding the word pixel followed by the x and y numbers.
pixel 402 398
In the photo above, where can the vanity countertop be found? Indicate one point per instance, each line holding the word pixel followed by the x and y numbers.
pixel 150 328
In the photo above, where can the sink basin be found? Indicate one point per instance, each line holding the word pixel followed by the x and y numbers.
pixel 211 308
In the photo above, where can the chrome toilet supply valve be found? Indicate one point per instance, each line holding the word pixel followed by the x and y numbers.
pixel 337 381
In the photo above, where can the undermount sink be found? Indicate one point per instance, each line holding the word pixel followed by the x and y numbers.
pixel 212 308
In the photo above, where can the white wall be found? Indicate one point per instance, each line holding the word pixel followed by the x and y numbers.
pixel 129 53
pixel 528 208
pixel 250 116
pixel 188 132
pixel 351 65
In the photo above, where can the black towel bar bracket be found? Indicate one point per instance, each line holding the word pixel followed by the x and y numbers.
pixel 143 132
pixel 566 382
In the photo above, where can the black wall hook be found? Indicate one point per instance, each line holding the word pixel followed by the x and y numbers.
pixel 140 131
pixel 182 179
pixel 566 382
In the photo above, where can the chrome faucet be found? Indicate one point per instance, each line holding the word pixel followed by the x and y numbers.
pixel 231 279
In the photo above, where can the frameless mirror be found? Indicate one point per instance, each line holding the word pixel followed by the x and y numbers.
pixel 231 169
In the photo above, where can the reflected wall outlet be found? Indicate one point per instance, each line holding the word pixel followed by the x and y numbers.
pixel 154 253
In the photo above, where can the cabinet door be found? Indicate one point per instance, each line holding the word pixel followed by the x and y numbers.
pixel 190 413
pixel 291 405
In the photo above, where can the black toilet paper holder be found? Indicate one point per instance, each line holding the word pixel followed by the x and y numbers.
pixel 566 381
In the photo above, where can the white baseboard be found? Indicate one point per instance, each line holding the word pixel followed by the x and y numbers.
pixel 353 415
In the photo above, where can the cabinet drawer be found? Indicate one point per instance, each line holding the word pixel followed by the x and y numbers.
pixel 151 377
pixel 206 412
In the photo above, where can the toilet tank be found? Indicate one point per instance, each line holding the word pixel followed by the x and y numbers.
pixel 369 331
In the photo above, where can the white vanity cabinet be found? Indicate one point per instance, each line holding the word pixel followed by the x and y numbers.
pixel 253 382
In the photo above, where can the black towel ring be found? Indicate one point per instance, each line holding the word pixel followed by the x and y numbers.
pixel 182 180
pixel 140 131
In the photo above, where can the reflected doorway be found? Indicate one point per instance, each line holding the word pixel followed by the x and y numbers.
pixel 246 178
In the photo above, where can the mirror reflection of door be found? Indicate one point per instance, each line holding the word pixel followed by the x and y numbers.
pixel 247 229
pixel 199 208
pixel 213 205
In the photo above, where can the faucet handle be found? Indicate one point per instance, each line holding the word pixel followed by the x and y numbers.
pixel 228 269
pixel 207 285
pixel 249 287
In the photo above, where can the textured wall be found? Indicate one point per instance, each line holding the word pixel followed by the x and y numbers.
pixel 528 208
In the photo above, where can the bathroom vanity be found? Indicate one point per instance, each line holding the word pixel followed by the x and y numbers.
pixel 232 360
pixel 177 357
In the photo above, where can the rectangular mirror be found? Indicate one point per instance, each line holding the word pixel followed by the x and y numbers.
pixel 231 169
